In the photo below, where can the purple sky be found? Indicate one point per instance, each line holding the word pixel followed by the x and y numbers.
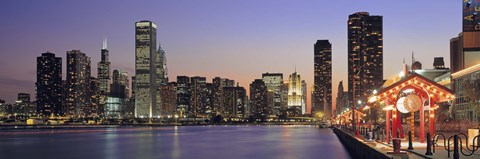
pixel 233 39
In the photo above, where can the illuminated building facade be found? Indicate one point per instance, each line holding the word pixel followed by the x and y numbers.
pixel 465 63
pixel 274 81
pixel 199 96
pixel 103 75
pixel 322 82
pixel 169 99
pixel 183 96
pixel 146 70
pixel 77 84
pixel 296 100
pixel 49 88
pixel 365 54
pixel 117 98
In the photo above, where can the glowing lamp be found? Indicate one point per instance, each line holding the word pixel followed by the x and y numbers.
pixel 411 103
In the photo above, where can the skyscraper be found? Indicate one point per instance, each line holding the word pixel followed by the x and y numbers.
pixel 162 77
pixel 146 70
pixel 235 101
pixel 295 95
pixel 169 99
pixel 199 96
pixel 103 74
pixel 322 82
pixel 162 71
pixel 183 96
pixel 304 97
pixel 94 93
pixel 217 92
pixel 78 83
pixel 49 89
pixel 365 54
pixel 258 99
pixel 274 81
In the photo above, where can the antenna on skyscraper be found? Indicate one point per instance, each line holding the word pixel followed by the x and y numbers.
pixel 104 47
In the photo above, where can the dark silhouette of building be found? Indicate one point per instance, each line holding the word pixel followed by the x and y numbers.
pixel 322 82
pixel 438 63
pixel 217 92
pixel 49 88
pixel 235 101
pixel 78 84
pixel 258 99
pixel 94 109
pixel 456 53
pixel 365 54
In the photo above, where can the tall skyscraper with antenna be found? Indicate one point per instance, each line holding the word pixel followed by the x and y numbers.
pixel 103 77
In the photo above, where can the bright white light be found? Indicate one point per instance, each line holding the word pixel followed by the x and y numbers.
pixel 401 74
pixel 375 91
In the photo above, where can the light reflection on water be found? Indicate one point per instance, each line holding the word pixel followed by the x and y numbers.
pixel 188 142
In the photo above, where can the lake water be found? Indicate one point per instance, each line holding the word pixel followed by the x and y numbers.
pixel 182 142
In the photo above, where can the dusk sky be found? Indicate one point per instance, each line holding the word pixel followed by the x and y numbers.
pixel 235 39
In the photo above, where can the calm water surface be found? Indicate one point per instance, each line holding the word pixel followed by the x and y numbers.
pixel 188 142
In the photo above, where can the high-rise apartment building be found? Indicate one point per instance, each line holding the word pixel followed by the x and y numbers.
pixel 198 87
pixel 235 101
pixel 146 70
pixel 258 99
pixel 49 88
pixel 77 84
pixel 322 82
pixel 169 99
pixel 365 54
pixel 217 93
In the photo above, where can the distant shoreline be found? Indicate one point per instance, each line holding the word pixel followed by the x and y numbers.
pixel 91 126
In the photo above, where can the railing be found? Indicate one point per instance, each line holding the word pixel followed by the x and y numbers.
pixel 457 144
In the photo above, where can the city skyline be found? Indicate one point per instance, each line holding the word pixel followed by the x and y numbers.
pixel 188 44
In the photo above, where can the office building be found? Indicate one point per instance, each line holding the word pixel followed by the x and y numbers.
pixel 322 82
pixel 146 70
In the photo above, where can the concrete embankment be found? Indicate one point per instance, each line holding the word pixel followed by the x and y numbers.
pixel 356 148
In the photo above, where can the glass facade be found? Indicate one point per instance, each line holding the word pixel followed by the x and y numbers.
pixel 467 88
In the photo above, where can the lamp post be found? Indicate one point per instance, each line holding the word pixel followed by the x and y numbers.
pixel 357 121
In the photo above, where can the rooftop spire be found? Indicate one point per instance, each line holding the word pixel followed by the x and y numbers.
pixel 104 47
